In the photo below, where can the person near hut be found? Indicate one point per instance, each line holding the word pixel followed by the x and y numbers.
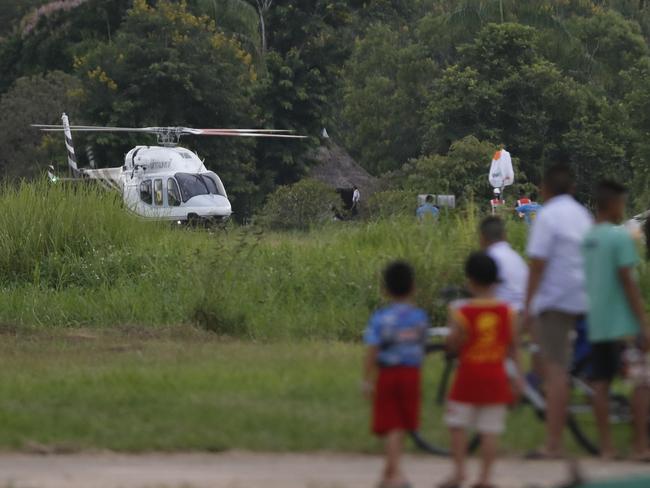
pixel 356 200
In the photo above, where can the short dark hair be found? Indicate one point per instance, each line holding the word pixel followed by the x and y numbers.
pixel 559 179
pixel 493 229
pixel 429 199
pixel 608 191
pixel 522 192
pixel 399 279
pixel 481 269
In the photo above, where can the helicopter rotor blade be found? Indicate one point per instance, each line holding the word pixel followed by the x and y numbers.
pixel 265 134
pixel 262 131
pixel 88 128
pixel 177 131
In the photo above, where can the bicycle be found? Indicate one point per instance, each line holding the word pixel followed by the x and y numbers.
pixel 580 422
pixel 434 444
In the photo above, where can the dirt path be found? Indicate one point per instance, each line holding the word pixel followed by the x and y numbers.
pixel 244 470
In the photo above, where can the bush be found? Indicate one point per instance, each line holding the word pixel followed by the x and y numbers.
pixel 392 203
pixel 298 206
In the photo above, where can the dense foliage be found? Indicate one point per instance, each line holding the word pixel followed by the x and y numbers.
pixel 298 206
pixel 423 90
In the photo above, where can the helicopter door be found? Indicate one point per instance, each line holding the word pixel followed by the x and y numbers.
pixel 158 197
pixel 146 194
pixel 173 193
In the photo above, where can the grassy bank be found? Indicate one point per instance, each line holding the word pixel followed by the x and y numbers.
pixel 183 389
pixel 71 256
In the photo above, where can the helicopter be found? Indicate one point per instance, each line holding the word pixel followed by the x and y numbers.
pixel 162 182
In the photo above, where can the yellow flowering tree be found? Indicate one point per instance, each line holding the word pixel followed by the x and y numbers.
pixel 170 67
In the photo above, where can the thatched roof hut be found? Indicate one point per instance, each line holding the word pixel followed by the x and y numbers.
pixel 336 168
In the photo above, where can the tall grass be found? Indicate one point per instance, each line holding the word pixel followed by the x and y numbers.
pixel 72 256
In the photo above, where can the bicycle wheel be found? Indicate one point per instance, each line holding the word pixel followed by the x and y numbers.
pixel 433 436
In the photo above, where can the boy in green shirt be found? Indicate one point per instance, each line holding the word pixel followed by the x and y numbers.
pixel 616 315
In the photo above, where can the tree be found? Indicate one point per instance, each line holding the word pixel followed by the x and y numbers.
pixel 386 78
pixel 236 18
pixel 182 72
pixel 38 99
pixel 637 105
pixel 503 91
pixel 263 7
pixel 300 88
pixel 56 35
pixel 610 43
pixel 463 172
pixel 11 12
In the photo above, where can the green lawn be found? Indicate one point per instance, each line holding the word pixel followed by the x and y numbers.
pixel 181 389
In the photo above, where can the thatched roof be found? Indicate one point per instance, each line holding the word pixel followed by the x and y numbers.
pixel 336 168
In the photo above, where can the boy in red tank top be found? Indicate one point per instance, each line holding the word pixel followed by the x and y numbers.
pixel 483 335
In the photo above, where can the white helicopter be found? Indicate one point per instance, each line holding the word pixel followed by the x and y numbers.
pixel 163 182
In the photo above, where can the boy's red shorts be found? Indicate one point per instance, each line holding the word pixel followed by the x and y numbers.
pixel 397 400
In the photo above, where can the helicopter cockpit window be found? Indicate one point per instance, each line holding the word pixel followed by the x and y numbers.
pixel 146 195
pixel 209 182
pixel 173 193
pixel 192 185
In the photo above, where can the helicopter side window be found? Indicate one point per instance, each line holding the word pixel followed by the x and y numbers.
pixel 146 195
pixel 173 194
pixel 158 192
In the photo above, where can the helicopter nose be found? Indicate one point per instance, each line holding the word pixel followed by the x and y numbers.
pixel 210 201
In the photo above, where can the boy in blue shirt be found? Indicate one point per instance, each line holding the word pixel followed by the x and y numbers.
pixel 395 336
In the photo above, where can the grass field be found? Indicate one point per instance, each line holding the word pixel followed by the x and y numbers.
pixel 130 335
pixel 184 389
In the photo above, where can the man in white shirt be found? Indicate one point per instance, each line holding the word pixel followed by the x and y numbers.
pixel 556 295
pixel 356 199
pixel 513 270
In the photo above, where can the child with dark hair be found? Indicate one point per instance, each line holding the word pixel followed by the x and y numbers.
pixel 395 336
pixel 483 335
pixel 616 316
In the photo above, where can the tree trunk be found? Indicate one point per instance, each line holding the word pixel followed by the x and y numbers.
pixel 263 32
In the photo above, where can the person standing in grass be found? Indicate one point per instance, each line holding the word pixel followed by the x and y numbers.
pixel 428 210
pixel 528 211
pixel 395 338
pixel 556 296
pixel 617 318
pixel 483 334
